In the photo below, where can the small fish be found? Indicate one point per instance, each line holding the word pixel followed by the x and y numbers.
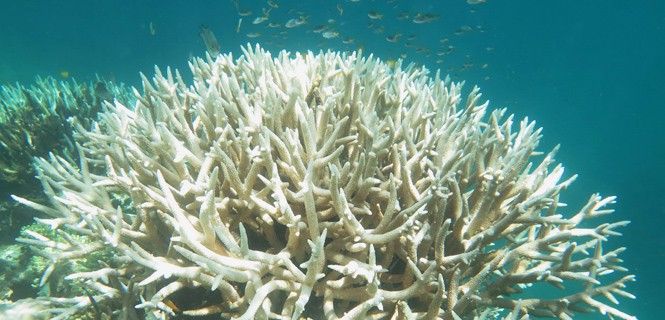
pixel 292 23
pixel 273 4
pixel 348 40
pixel 244 13
pixel 475 1
pixel 330 34
pixel 320 28
pixel 265 16
pixel 340 9
pixel 259 20
pixel 394 37
pixel 403 15
pixel 274 25
pixel 422 50
pixel 253 34
pixel 465 28
pixel 378 30
pixel 374 15
pixel 421 18
pixel 64 74
pixel 238 25
pixel 169 303
pixel 151 29
pixel 209 40
pixel 296 22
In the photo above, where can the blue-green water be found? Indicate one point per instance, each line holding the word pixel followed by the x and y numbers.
pixel 590 72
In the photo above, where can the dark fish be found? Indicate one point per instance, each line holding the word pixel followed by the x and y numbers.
pixel 320 28
pixel 102 92
pixel 210 40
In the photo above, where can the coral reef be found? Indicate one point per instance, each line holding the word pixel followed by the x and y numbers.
pixel 326 185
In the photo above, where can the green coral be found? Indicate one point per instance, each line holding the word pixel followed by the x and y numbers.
pixel 24 296
pixel 21 268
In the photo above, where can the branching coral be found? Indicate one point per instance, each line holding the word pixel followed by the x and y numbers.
pixel 329 186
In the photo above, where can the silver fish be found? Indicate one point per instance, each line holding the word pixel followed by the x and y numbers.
pixel 296 22
pixel 374 15
pixel 330 34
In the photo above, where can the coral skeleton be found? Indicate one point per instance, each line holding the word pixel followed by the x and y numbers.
pixel 323 186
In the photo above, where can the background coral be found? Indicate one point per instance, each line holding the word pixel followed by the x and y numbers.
pixel 330 186
pixel 37 120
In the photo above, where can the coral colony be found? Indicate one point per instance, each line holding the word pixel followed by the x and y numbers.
pixel 323 186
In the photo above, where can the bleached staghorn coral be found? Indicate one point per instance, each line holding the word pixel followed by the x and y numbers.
pixel 329 186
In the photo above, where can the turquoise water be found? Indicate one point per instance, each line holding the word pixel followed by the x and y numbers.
pixel 590 72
